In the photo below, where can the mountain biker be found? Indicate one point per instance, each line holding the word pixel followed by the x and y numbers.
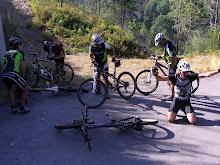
pixel 55 48
pixel 169 56
pixel 97 51
pixel 13 73
pixel 182 87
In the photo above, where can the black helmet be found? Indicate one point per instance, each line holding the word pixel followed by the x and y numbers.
pixel 14 41
pixel 46 46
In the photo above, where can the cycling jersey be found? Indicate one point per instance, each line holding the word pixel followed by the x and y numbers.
pixel 182 88
pixel 11 61
pixel 99 52
pixel 170 51
pixel 56 49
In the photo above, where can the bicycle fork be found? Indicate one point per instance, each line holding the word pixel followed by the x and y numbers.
pixel 95 82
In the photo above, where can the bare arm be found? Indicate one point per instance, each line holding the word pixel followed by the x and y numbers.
pixel 91 57
pixel 112 50
pixel 208 74
pixel 164 78
pixel 22 69
pixel 61 55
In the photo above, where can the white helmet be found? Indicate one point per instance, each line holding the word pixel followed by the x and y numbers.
pixel 96 38
pixel 184 66
pixel 159 37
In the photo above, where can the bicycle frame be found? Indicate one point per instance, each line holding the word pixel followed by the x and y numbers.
pixel 160 66
pixel 44 70
pixel 103 73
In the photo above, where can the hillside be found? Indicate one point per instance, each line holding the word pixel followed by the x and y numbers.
pixel 20 11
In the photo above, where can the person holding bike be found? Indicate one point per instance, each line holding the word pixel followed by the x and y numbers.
pixel 97 52
pixel 182 88
pixel 13 73
pixel 170 58
pixel 55 48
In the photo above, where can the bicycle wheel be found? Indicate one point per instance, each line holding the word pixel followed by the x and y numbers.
pixel 195 86
pixel 126 85
pixel 64 74
pixel 32 76
pixel 146 82
pixel 88 96
pixel 67 125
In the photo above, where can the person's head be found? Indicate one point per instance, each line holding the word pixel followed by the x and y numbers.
pixel 47 46
pixel 184 68
pixel 15 43
pixel 96 38
pixel 160 39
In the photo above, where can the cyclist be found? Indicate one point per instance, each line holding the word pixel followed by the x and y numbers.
pixel 13 73
pixel 182 86
pixel 170 58
pixel 55 48
pixel 97 51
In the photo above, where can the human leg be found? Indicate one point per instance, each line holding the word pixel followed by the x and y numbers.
pixel 190 114
pixel 171 116
pixel 174 108
pixel 191 118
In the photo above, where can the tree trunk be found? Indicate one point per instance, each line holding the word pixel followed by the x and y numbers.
pixel 178 26
pixel 216 14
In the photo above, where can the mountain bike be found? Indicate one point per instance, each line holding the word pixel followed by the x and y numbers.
pixel 93 92
pixel 146 83
pixel 55 89
pixel 83 125
pixel 48 70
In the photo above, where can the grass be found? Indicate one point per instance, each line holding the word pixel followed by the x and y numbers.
pixel 81 64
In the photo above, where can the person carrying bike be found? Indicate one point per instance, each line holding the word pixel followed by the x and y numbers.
pixel 13 73
pixel 182 88
pixel 97 52
pixel 170 58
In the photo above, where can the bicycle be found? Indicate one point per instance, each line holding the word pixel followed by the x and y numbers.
pixel 146 83
pixel 93 92
pixel 55 89
pixel 54 74
pixel 83 125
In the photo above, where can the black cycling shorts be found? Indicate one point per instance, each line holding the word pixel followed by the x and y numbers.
pixel 185 105
pixel 172 71
pixel 11 78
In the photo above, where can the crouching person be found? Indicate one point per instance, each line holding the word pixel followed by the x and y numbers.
pixel 182 82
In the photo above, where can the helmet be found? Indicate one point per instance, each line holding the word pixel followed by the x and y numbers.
pixel 14 41
pixel 159 37
pixel 184 66
pixel 46 46
pixel 96 38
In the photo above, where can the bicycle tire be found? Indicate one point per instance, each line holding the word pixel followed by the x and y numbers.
pixel 149 121
pixel 126 85
pixel 87 97
pixel 65 75
pixel 195 86
pixel 67 125
pixel 32 76
pixel 144 85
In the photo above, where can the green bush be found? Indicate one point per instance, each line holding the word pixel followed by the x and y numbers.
pixel 75 28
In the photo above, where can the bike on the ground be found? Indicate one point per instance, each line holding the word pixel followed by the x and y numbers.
pixel 83 125
pixel 50 71
pixel 93 92
pixel 54 89
pixel 146 83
